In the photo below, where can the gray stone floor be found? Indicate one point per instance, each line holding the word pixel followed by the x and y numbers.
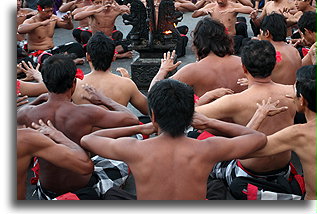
pixel 62 36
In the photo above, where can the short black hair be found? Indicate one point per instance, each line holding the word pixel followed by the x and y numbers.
pixel 275 23
pixel 210 35
pixel 172 103
pixel 45 3
pixel 306 85
pixel 58 72
pixel 101 50
pixel 259 57
pixel 308 21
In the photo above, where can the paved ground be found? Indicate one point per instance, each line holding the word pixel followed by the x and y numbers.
pixel 62 36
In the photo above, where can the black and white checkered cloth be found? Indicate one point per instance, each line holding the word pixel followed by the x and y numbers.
pixel 110 172
pixel 229 170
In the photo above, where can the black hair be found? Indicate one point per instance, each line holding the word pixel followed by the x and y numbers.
pixel 210 35
pixel 101 50
pixel 275 23
pixel 259 57
pixel 45 3
pixel 172 103
pixel 306 85
pixel 308 21
pixel 58 72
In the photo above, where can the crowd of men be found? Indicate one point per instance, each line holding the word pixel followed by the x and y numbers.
pixel 223 127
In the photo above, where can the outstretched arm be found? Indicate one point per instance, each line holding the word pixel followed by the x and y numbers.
pixel 240 143
pixel 105 144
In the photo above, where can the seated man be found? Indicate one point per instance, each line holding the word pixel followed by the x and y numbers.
pixel 100 54
pixel 273 29
pixel 40 29
pixel 214 47
pixel 258 61
pixel 300 138
pixel 172 166
pixel 102 15
pixel 74 121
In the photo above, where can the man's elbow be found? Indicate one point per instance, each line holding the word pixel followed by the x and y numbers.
pixel 87 168
pixel 262 140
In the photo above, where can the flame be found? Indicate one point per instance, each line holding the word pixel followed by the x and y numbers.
pixel 167 32
pixel 174 25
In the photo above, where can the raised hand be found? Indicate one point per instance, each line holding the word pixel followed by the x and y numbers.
pixel 21 100
pixel 243 82
pixel 93 96
pixel 31 72
pixel 254 14
pixel 148 129
pixel 123 72
pixel 200 121
pixel 269 108
pixel 47 129
pixel 167 63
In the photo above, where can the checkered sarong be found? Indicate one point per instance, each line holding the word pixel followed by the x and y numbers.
pixel 110 173
pixel 229 170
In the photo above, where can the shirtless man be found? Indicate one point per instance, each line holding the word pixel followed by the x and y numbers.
pixel 40 29
pixel 170 172
pixel 73 120
pixel 276 6
pixel 258 61
pixel 22 15
pixel 301 6
pixel 213 47
pixel 300 138
pixel 81 33
pixel 56 149
pixel 100 53
pixel 273 29
pixel 224 11
pixel 102 15
pixel 307 29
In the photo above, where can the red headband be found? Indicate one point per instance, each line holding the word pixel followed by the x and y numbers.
pixel 79 74
pixel 39 8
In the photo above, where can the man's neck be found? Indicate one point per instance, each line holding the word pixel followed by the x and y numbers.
pixel 258 81
pixel 66 96
pixel 310 115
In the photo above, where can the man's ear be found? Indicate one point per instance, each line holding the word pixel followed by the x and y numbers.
pixel 88 57
pixel 153 119
pixel 307 31
pixel 267 34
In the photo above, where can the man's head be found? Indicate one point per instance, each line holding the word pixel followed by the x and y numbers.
pixel 172 105
pixel 100 51
pixel 97 2
pixel 210 36
pixel 45 8
pixel 258 58
pixel 19 4
pixel 307 26
pixel 302 5
pixel 306 86
pixel 222 3
pixel 58 72
pixel 273 27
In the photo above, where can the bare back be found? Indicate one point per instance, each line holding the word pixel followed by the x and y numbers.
pixel 175 171
pixel 285 71
pixel 212 72
pixel 74 122
pixel 240 108
pixel 119 89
